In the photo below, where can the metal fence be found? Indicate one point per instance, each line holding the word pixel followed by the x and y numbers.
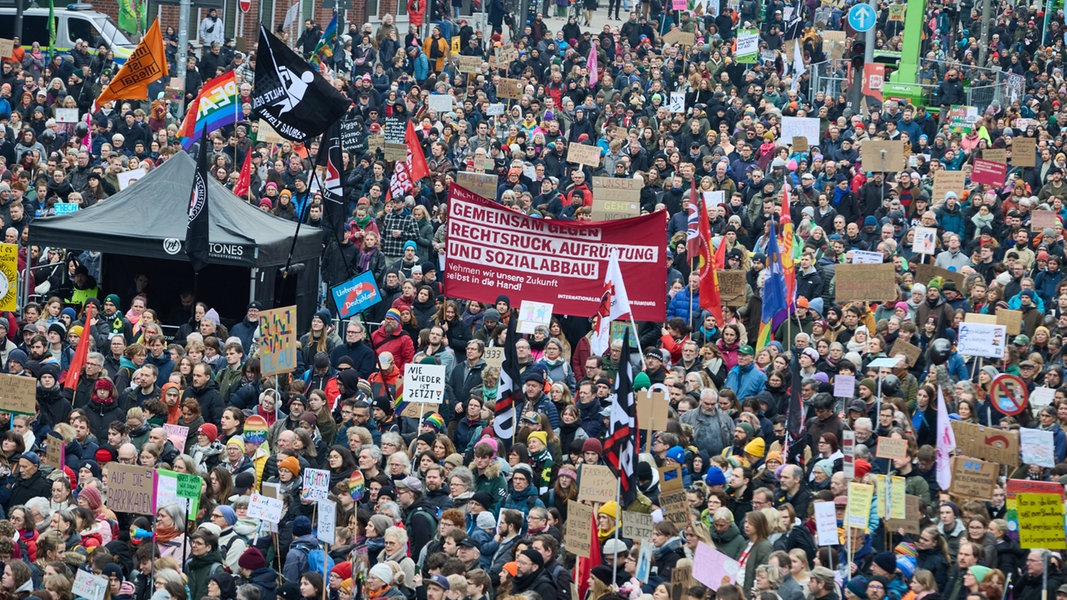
pixel 829 77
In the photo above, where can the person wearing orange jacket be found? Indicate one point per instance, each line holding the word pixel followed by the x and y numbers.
pixel 436 48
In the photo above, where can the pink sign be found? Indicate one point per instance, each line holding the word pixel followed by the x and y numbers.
pixel 988 172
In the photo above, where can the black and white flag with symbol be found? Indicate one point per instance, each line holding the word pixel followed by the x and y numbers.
pixel 328 167
pixel 196 233
pixel 509 388
pixel 620 447
pixel 289 95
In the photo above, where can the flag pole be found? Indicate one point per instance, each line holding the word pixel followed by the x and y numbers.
pixel 618 523
pixel 296 234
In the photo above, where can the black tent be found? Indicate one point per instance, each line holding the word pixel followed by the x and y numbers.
pixel 142 230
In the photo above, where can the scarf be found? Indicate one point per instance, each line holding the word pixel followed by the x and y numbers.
pixel 364 258
pixel 982 220
pixel 166 534
pixel 363 221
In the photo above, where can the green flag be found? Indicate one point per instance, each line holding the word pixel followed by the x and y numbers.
pixel 51 23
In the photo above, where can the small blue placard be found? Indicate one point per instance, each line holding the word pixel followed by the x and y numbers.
pixel 356 295
pixel 65 208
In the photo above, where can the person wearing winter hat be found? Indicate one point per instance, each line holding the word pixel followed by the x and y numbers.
pixel 715 479
pixel 390 337
pixel 592 451
pixel 254 568
pixel 303 542
pixel 530 563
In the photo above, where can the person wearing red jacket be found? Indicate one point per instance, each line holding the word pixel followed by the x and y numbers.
pixel 390 337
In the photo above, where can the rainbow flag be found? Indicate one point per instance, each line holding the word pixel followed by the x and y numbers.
pixel 787 245
pixel 399 404
pixel 775 309
pixel 324 49
pixel 217 106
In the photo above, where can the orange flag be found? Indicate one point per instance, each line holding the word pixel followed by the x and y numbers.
pixel 147 64
pixel 81 353
pixel 710 297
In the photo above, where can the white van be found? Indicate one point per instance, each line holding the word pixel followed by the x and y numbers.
pixel 73 22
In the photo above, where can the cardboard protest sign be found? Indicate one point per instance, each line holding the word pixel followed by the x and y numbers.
pixel 598 484
pixel 884 156
pixel 864 282
pixel 494 357
pixel 1040 520
pixel 468 64
pixel 997 155
pixel 924 273
pixel 277 347
pixel 583 154
pixel 947 181
pixel 980 318
pixel 988 443
pixel 510 89
pixel 479 183
pixel 1012 319
pixel 681 579
pixel 988 172
pixel 891 448
pixel 867 257
pixel 18 394
pixel 732 285
pixel 1024 152
pixel 973 477
pixel 675 507
pixel 677 36
pixel 615 197
pixel 7 47
pixel 1040 219
pixel 578 534
pixel 652 410
pixel 129 488
pixel 987 341
pixel 89 586
pixel 636 526
pixel 833 44
pixel 55 452
pixel 799 143
pixel 911 351
pixel 910 522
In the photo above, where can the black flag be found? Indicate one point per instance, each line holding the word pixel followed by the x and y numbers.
pixel 289 95
pixel 328 178
pixel 620 447
pixel 796 436
pixel 196 234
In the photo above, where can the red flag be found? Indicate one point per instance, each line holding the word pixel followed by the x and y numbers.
pixel 74 371
pixel 585 565
pixel 710 297
pixel 417 168
pixel 244 182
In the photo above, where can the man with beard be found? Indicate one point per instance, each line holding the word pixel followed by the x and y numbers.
pixel 206 392
pixel 390 337
pixel 111 323
pixel 934 307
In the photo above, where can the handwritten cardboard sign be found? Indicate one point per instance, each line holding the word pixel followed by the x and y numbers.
pixel 636 526
pixel 732 286
pixel 924 273
pixel 652 410
pixel 1024 152
pixel 865 282
pixel 974 478
pixel 909 350
pixel 675 507
pixel 510 89
pixel 614 197
pixel 948 181
pixel 494 357
pixel 129 488
pixel 7 47
pixel 468 64
pixel 891 448
pixel 583 154
pixel 677 36
pixel 55 452
pixel 988 443
pixel 1040 219
pixel 18 394
pixel 479 183
pixel 1012 319
pixel 910 522
pixel 997 155
pixel 883 155
pixel 799 143
pixel 598 484
pixel 578 534
pixel 277 347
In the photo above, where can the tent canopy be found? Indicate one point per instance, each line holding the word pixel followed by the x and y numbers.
pixel 149 218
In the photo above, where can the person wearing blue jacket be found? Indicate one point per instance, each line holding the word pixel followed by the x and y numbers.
pixel 1047 416
pixel 420 65
pixel 686 302
pixel 745 379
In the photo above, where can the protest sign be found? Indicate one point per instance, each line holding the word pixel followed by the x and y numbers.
pixel 351 129
pixel 1016 487
pixel 417 410
pixel 1024 152
pixel 89 586
pixel 883 156
pixel 55 452
pixel 265 508
pixel 675 507
pixel 997 155
pixel 848 449
pixel 1037 447
pixel 732 286
pixel 1040 520
pixel 947 181
pixel 545 260
pixel 677 102
pixel 924 273
pixel 316 485
pixel 866 257
pixel 578 534
pixel 681 579
pixel 128 178
pixel 644 562
pixel 356 295
pixel 1040 219
pixel 909 350
pixel 891 448
pixel 911 521
pixel 973 477
pixel 652 410
pixel 494 357
pixel 479 183
pixel 844 386
pixel 801 127
pixel 10 270
pixel 677 36
pixel 533 315
pixel 66 115
pixel 424 383
pixel 441 103
pixel 326 524
pixel 713 568
pixel 747 48
pixel 374 142
pixel 988 172
pixel 833 44
pixel 858 511
pixel 925 241
pixel 18 394
pixel 277 346
pixel 65 208
pixel 598 484
pixel 583 154
pixel 987 341
pixel 865 282
pixel 890 492
pixel 826 524
pixel 469 64
pixel 129 488
pixel 636 525
pixel 987 443
pixel 616 198
pixel 1012 319
pixel 510 89
pixel 1041 397
pixel 177 434
pixel 799 143
pixel 980 318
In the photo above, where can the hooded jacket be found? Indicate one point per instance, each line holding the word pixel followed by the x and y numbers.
pixel 210 401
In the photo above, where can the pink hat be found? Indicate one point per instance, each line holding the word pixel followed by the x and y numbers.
pixel 491 443
pixel 901 305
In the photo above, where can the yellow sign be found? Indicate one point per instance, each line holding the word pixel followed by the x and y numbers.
pixel 9 267
pixel 455 44
pixel 860 496
pixel 1040 520
pixel 891 496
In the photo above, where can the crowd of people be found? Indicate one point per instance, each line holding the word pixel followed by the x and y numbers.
pixel 439 505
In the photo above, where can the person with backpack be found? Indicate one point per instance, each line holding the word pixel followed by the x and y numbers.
pixel 235 535
pixel 420 516
pixel 254 571
pixel 206 560
pixel 304 541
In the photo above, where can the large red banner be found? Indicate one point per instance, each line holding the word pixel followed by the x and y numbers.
pixel 493 250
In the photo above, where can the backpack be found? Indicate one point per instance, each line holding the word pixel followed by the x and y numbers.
pixel 225 550
pixel 315 559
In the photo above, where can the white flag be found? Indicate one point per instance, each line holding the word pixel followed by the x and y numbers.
pixel 798 64
pixel 946 443
pixel 614 304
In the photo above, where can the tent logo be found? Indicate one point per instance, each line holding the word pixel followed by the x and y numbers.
pixel 172 246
